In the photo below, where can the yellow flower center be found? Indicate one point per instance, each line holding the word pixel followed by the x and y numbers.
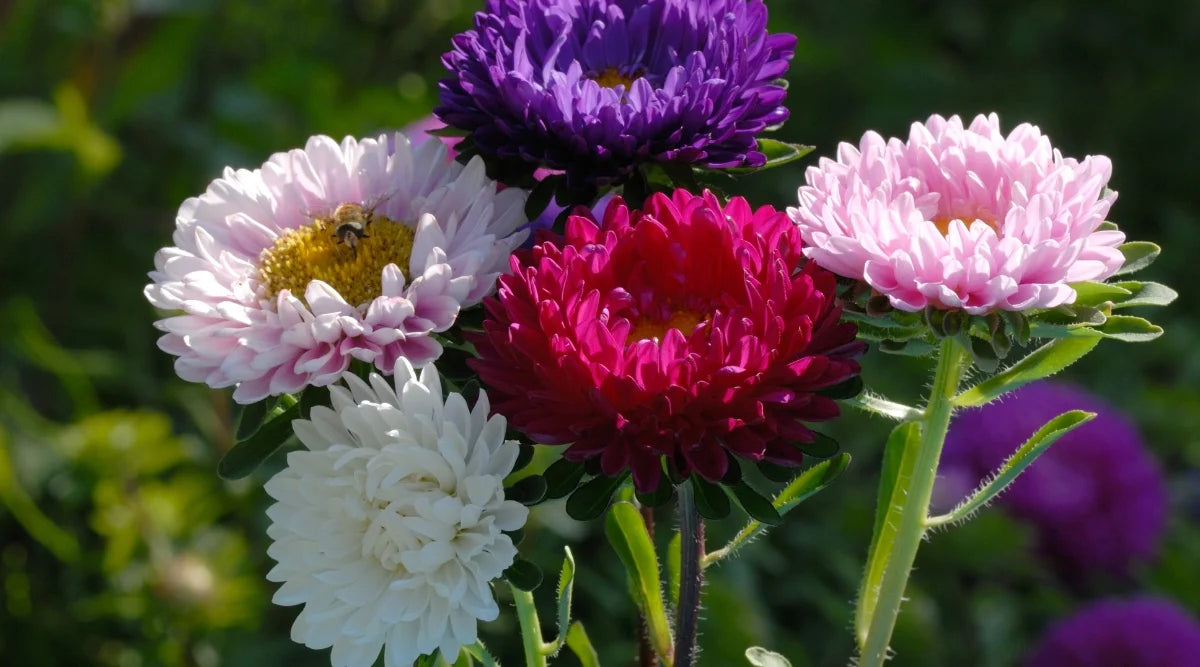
pixel 611 78
pixel 647 329
pixel 348 250
pixel 968 217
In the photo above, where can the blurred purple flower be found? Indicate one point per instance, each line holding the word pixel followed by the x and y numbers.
pixel 595 87
pixel 1139 632
pixel 1096 498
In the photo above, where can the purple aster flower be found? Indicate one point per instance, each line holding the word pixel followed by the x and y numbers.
pixel 1144 631
pixel 1096 498
pixel 595 87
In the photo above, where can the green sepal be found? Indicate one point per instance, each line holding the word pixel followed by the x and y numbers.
pixel 524 575
pixel 1138 255
pixel 590 500
pixel 757 506
pixel 541 195
pixel 562 477
pixel 778 153
pixel 247 455
pixel 657 497
pixel 711 501
pixel 822 446
pixel 529 490
pixel 843 390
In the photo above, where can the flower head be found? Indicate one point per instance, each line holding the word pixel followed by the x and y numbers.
pixel 1096 498
pixel 388 525
pixel 329 253
pixel 685 330
pixel 595 87
pixel 1143 631
pixel 961 217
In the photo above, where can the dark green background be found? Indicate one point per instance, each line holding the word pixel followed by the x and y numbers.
pixel 112 112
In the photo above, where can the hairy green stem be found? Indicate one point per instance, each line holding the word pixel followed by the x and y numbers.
pixel 691 575
pixel 915 508
pixel 531 629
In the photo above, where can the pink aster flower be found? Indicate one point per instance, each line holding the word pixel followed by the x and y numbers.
pixel 359 250
pixel 685 330
pixel 961 217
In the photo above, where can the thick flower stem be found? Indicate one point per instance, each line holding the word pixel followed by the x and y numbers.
pixel 691 533
pixel 531 630
pixel 915 504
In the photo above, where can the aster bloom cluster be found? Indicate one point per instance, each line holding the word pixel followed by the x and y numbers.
pixel 961 217
pixel 1097 499
pixel 591 295
pixel 1144 631
pixel 597 87
pixel 681 331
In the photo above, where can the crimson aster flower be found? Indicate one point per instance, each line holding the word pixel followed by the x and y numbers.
pixel 688 330
pixel 961 217
pixel 1142 632
pixel 595 87
pixel 276 294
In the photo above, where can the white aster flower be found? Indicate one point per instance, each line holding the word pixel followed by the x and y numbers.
pixel 277 294
pixel 388 525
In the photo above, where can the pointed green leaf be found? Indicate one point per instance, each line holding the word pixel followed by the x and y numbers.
pixel 566 585
pixel 581 646
pixel 674 565
pixel 562 477
pixel 1138 255
pixel 821 447
pixel 711 501
pixel 540 196
pixel 627 533
pixel 804 486
pixel 480 653
pixel 589 500
pixel 1041 363
pixel 524 575
pixel 1034 447
pixel 252 417
pixel 778 153
pixel 755 505
pixel 761 657
pixel 527 491
pixel 245 457
pixel 1145 294
pixel 899 460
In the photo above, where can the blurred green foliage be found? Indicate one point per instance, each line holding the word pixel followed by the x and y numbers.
pixel 119 546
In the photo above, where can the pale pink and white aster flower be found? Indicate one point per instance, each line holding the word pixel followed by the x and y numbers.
pixel 961 217
pixel 389 525
pixel 276 294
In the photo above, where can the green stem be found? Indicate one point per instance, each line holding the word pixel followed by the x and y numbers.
pixel 531 629
pixel 691 576
pixel 903 550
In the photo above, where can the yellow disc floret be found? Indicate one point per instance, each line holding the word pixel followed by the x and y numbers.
pixel 646 329
pixel 348 250
pixel 611 78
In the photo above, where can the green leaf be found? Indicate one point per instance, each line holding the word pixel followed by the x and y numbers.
pixel 1138 255
pixel 253 416
pixel 479 652
pixel 899 461
pixel 674 566
pixel 657 497
pixel 581 646
pixel 589 500
pixel 778 153
pixel 844 390
pixel 711 501
pixel 755 505
pixel 566 584
pixel 1091 293
pixel 1129 329
pixel 821 447
pixel 627 533
pixel 527 491
pixel 540 197
pixel 761 657
pixel 245 457
pixel 1041 363
pixel 1034 447
pixel 448 131
pixel 562 477
pixel 1145 294
pixel 524 575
